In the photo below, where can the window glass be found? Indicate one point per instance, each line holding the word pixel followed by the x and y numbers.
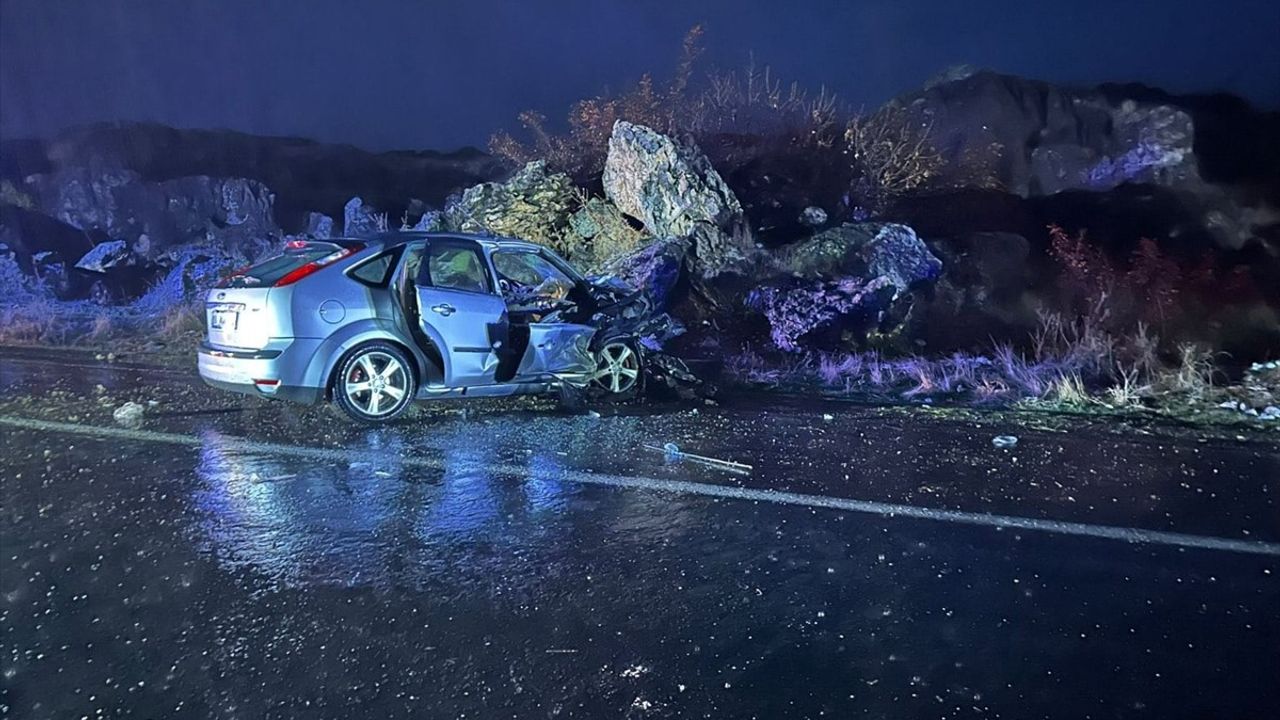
pixel 527 268
pixel 269 271
pixel 455 268
pixel 375 271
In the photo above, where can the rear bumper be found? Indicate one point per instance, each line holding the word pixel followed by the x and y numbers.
pixel 276 371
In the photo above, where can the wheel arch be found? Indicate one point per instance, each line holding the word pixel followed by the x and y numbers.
pixel 336 348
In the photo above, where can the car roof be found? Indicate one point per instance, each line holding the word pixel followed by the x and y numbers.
pixel 399 237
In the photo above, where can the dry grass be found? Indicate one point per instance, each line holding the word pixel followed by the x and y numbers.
pixel 891 153
pixel 35 321
pixel 1193 374
pixel 756 101
pixel 580 152
pixel 102 328
pixel 1128 391
pixel 751 102
pixel 182 321
pixel 1068 389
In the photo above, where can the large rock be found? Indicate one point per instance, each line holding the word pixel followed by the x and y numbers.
pixel 319 226
pixel 885 250
pixel 717 251
pixel 532 205
pixel 361 220
pixel 153 217
pixel 305 175
pixel 655 269
pixel 1032 138
pixel 798 309
pixel 29 233
pixel 104 256
pixel 990 292
pixel 668 186
pixel 606 234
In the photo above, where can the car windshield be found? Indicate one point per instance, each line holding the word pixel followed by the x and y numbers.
pixel 527 268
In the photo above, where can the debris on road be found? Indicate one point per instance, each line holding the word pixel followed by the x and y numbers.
pixel 129 414
pixel 1004 442
pixel 673 453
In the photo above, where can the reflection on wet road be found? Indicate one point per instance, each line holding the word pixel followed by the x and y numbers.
pixel 465 565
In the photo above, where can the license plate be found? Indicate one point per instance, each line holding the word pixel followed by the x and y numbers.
pixel 224 319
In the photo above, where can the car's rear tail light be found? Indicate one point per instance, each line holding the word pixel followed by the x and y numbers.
pixel 297 274
pixel 267 383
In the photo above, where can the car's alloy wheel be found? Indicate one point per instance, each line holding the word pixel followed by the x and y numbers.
pixel 617 368
pixel 375 383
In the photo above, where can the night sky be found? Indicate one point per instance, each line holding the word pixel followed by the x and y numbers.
pixel 382 74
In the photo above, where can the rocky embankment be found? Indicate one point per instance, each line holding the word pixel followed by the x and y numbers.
pixel 742 245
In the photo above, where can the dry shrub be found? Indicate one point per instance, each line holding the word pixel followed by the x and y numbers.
pixel 102 328
pixel 182 321
pixel 751 102
pixel 34 321
pixel 603 230
pixel 754 101
pixel 1146 289
pixel 581 151
pixel 891 154
pixel 1068 388
pixel 1192 375
pixel 1127 390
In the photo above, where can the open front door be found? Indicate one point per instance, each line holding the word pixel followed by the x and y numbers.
pixel 559 348
pixel 459 310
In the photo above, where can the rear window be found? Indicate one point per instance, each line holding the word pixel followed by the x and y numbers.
pixel 269 271
pixel 377 271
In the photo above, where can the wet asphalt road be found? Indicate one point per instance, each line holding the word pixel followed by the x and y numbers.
pixel 239 559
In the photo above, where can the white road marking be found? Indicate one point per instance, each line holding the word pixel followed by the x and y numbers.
pixel 1106 532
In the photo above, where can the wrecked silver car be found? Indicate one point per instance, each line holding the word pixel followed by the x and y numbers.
pixel 374 324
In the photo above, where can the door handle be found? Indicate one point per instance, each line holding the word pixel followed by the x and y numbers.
pixel 443 308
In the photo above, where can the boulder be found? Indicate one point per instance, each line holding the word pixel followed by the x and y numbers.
pixel 532 205
pixel 106 255
pixel 1033 138
pixel 319 226
pixel 798 308
pixel 605 233
pixel 813 216
pixel 156 216
pixel 717 252
pixel 360 220
pixel 896 254
pixel 654 269
pixel 431 221
pixel 668 186
pixel 29 233
pixel 887 250
pixel 989 293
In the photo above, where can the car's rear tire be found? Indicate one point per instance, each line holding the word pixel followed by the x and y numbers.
pixel 619 371
pixel 375 383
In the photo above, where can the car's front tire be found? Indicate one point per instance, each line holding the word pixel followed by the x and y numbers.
pixel 619 371
pixel 375 383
